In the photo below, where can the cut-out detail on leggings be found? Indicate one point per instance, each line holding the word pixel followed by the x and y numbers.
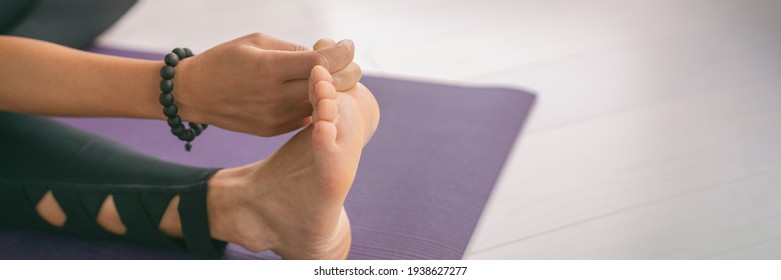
pixel 80 212
pixel 155 206
pixel 108 217
pixel 82 169
pixel 50 211
pixel 170 221
pixel 141 214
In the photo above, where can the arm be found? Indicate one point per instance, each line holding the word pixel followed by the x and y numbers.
pixel 37 77
pixel 254 84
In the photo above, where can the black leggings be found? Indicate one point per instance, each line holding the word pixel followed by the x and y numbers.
pixel 81 169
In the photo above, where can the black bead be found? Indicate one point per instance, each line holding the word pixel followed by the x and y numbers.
pixel 167 72
pixel 204 126
pixel 166 86
pixel 189 135
pixel 182 136
pixel 178 130
pixel 166 99
pixel 179 53
pixel 188 146
pixel 171 59
pixel 197 128
pixel 175 121
pixel 170 110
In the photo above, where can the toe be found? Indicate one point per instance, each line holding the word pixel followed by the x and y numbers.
pixel 327 110
pixel 319 80
pixel 318 74
pixel 325 90
pixel 326 107
pixel 324 135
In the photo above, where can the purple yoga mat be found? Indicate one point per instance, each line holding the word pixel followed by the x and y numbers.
pixel 420 189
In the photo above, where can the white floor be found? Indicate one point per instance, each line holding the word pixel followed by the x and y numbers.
pixel 657 132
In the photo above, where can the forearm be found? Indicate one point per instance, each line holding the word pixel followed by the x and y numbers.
pixel 43 78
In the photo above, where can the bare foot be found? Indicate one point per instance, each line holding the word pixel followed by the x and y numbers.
pixel 292 202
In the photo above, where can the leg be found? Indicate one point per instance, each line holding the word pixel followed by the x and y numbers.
pixel 291 202
pixel 74 180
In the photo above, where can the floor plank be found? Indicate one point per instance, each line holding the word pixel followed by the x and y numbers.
pixel 573 177
pixel 728 216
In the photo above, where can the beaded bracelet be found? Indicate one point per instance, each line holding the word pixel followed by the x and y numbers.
pixel 167 99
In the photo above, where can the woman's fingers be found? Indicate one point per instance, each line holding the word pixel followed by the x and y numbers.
pixel 334 58
pixel 293 125
pixel 267 42
pixel 346 78
pixel 323 43
pixel 296 90
pixel 289 111
pixel 343 80
pixel 297 65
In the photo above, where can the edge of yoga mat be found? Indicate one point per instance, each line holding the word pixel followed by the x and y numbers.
pixel 423 181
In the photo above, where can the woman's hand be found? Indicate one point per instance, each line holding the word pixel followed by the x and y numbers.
pixel 255 84
pixel 258 84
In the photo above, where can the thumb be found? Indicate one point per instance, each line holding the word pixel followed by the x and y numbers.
pixel 337 56
pixel 267 42
pixel 323 43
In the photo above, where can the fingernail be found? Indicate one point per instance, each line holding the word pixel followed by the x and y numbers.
pixel 348 41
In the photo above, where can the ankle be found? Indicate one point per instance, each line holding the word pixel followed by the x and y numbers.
pixel 228 220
